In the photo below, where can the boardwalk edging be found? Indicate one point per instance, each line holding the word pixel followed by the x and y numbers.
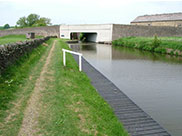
pixel 134 119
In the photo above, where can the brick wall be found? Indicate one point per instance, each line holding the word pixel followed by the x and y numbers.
pixel 145 31
pixel 44 31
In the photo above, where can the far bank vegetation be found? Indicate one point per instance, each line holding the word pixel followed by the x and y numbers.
pixel 164 45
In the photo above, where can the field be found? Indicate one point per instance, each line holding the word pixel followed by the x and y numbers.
pixel 1 28
pixel 39 96
pixel 170 45
pixel 13 38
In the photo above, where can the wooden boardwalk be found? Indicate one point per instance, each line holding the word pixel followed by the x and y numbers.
pixel 134 119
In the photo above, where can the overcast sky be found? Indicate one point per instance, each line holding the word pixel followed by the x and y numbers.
pixel 85 11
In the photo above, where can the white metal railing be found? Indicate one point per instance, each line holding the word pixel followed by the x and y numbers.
pixel 76 53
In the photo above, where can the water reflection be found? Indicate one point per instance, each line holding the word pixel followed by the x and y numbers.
pixel 93 50
pixel 151 80
pixel 129 53
pixel 116 52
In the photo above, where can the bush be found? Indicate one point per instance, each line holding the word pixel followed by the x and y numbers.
pixel 142 44
pixel 148 48
pixel 176 54
pixel 160 50
pixel 117 42
pixel 6 26
pixel 172 53
pixel 155 43
pixel 82 37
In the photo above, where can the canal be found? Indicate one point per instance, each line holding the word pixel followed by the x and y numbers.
pixel 152 81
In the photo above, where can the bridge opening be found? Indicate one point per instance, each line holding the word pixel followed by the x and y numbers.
pixel 86 36
pixel 74 36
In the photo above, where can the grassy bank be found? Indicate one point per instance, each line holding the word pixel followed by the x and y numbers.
pixel 15 75
pixel 74 107
pixel 165 45
pixel 13 38
pixel 67 105
pixel 16 86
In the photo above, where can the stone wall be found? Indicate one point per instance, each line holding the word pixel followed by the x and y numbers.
pixel 44 31
pixel 145 31
pixel 9 53
pixel 159 23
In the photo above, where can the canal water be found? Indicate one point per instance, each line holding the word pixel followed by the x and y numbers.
pixel 152 81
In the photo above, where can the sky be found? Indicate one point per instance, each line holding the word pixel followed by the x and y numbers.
pixel 85 11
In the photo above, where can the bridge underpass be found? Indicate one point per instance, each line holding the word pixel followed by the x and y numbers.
pixel 92 33
pixel 88 37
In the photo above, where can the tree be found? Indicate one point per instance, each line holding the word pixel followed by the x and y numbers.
pixel 6 26
pixel 22 22
pixel 33 20
pixel 42 22
pixel 155 43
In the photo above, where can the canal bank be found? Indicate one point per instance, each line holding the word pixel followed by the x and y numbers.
pixel 134 119
pixel 151 80
pixel 39 96
pixel 162 45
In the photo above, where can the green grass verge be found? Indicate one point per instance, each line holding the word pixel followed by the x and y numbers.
pixel 149 44
pixel 16 85
pixel 72 105
pixel 13 38
pixel 15 75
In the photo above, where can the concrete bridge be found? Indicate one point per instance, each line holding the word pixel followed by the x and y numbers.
pixel 93 33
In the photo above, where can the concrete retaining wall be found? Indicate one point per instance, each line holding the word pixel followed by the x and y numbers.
pixel 145 31
pixel 44 31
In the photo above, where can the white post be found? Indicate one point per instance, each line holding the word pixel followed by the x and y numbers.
pixel 80 62
pixel 64 58
pixel 76 53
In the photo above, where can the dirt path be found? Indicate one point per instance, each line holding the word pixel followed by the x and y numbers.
pixel 31 113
